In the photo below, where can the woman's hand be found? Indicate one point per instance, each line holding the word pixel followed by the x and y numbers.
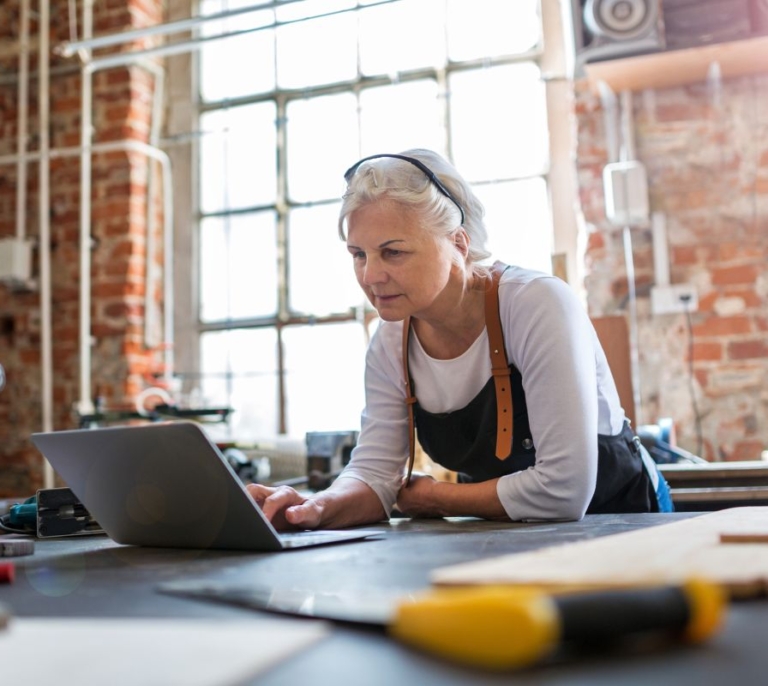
pixel 286 508
pixel 425 497
pixel 419 497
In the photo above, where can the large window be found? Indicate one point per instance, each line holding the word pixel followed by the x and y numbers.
pixel 306 89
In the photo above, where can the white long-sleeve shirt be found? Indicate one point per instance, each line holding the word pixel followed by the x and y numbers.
pixel 570 394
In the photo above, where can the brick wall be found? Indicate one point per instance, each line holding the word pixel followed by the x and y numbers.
pixel 122 103
pixel 706 152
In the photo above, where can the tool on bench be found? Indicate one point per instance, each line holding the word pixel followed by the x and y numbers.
pixel 50 513
pixel 496 627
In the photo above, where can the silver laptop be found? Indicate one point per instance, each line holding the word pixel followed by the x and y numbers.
pixel 168 485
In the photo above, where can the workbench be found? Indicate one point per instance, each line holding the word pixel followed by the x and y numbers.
pixel 97 578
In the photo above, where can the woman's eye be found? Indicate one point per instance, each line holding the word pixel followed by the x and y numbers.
pixel 358 255
pixel 389 252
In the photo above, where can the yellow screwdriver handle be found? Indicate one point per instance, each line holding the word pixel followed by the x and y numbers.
pixel 506 627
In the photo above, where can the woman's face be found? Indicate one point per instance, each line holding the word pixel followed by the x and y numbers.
pixel 403 268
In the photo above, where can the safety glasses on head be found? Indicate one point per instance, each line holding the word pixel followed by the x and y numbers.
pixel 416 163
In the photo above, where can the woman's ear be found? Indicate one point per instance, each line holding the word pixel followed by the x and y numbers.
pixel 461 241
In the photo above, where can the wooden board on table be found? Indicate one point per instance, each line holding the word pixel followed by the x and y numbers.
pixel 668 553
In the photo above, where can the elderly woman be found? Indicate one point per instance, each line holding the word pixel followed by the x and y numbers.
pixel 497 368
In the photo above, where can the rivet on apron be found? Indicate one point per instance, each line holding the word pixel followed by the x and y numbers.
pixel 527 443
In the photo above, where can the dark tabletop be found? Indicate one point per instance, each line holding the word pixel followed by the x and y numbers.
pixel 94 577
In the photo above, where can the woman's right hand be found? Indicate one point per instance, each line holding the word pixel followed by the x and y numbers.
pixel 285 507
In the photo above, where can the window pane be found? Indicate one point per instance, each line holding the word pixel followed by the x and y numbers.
pixel 322 143
pixel 239 371
pixel 237 157
pixel 406 115
pixel 238 266
pixel 402 36
pixel 324 377
pixel 218 80
pixel 322 280
pixel 519 223
pixel 499 122
pixel 319 51
pixel 487 28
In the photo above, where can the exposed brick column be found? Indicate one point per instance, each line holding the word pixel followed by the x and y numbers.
pixel 707 162
pixel 122 107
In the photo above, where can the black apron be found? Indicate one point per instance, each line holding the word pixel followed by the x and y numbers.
pixel 463 441
pixel 468 442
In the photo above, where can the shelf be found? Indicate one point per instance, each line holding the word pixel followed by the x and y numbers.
pixel 680 67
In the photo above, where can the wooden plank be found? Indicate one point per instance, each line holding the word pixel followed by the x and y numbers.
pixel 613 333
pixel 680 67
pixel 669 553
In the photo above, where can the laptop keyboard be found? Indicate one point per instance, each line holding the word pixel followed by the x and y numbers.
pixel 299 539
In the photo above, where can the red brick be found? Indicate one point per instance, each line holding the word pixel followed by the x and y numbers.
pixel 749 349
pixel 742 274
pixel 709 352
pixel 683 255
pixel 722 326
pixel 707 301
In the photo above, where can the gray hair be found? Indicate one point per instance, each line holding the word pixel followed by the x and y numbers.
pixel 399 180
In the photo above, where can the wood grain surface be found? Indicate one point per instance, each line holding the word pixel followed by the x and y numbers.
pixel 668 553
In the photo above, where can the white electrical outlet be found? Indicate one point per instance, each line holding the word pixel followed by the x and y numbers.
pixel 673 299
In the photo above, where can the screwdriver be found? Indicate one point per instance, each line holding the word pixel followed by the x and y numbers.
pixel 502 628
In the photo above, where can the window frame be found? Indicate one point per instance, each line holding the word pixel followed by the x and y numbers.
pixel 549 55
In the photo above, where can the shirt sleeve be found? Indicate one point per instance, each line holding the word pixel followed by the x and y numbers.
pixel 549 338
pixel 382 448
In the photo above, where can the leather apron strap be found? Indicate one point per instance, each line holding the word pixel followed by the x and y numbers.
pixel 410 400
pixel 499 365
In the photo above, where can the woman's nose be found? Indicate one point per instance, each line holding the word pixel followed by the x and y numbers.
pixel 373 272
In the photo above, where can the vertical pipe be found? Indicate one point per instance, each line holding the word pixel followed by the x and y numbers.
pixel 21 165
pixel 46 336
pixel 150 305
pixel 608 100
pixel 627 127
pixel 168 291
pixel 85 406
pixel 628 154
pixel 633 327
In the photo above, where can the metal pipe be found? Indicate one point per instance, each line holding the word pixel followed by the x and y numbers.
pixel 123 58
pixel 70 48
pixel 110 146
pixel 46 327
pixel 85 404
pixel 154 137
pixel 627 153
pixel 627 127
pixel 610 117
pixel 21 169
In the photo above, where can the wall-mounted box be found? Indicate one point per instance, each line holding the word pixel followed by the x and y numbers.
pixel 626 193
pixel 15 260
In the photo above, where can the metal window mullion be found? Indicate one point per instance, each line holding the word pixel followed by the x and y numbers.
pixel 273 322
pixel 361 82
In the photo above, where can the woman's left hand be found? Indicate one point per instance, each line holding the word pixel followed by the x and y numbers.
pixel 425 497
pixel 419 497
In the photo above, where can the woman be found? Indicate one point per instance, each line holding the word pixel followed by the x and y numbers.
pixel 498 368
